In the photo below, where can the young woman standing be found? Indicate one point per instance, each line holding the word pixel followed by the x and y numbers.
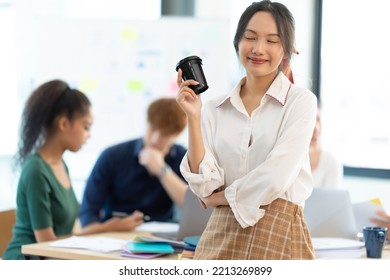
pixel 250 160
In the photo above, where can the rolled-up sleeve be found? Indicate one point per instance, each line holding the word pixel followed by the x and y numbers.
pixel 209 178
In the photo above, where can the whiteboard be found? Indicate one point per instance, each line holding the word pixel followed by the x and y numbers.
pixel 123 65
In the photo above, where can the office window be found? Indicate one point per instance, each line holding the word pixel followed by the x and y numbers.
pixel 9 112
pixel 355 87
pixel 110 9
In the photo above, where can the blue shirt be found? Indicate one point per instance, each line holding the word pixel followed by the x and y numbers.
pixel 119 183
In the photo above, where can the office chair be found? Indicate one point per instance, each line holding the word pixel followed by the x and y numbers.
pixel 7 221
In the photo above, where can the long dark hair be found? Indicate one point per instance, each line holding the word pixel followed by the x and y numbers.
pixel 283 18
pixel 47 102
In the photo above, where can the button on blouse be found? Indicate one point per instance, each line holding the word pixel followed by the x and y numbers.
pixel 260 157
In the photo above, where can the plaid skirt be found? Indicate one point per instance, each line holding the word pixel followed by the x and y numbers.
pixel 281 234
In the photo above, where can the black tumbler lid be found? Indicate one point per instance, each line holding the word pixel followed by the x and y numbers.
pixel 184 60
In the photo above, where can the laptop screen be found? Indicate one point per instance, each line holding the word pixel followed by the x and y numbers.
pixel 193 219
pixel 328 212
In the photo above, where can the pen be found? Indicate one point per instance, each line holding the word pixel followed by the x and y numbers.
pixel 147 218
pixel 119 214
pixel 124 214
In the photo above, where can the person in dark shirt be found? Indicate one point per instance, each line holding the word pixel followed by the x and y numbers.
pixel 139 179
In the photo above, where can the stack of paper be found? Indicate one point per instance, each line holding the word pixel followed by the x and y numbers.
pixel 141 247
pixel 189 248
pixel 99 244
pixel 340 248
pixel 174 243
pixel 155 226
pixel 128 254
pixel 366 210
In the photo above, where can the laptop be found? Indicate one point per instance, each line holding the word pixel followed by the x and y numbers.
pixel 193 219
pixel 328 212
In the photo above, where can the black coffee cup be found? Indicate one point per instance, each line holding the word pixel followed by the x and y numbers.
pixel 192 70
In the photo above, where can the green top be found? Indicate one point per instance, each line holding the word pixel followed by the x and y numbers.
pixel 41 202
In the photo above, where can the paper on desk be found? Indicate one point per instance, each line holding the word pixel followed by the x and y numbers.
pixel 335 243
pixel 364 211
pixel 125 253
pixel 99 244
pixel 340 254
pixel 158 226
pixel 143 239
pixel 339 248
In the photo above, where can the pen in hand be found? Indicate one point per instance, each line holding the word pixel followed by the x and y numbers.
pixel 119 214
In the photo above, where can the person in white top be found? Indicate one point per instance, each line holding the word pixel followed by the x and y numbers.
pixel 250 157
pixel 326 169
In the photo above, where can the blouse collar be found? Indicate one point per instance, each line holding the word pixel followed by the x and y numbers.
pixel 278 91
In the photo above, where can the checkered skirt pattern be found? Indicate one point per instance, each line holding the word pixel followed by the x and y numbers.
pixel 280 235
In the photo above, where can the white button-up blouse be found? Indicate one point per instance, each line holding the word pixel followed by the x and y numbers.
pixel 257 158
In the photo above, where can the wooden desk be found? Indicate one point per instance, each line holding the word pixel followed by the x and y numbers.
pixel 44 250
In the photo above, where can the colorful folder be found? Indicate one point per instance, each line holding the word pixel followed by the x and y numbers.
pixel 149 247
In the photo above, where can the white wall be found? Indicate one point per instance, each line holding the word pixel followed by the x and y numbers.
pixel 360 188
pixel 363 189
pixel 8 183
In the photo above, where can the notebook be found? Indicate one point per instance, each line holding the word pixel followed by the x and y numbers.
pixel 193 219
pixel 149 247
pixel 366 210
pixel 328 213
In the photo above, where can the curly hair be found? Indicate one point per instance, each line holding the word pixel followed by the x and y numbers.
pixel 47 102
